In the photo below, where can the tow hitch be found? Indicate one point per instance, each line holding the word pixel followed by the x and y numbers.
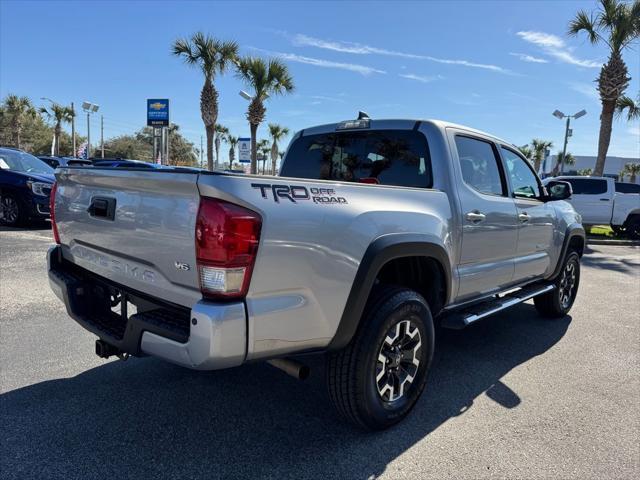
pixel 106 350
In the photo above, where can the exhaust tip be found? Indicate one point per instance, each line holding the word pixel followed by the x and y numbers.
pixel 297 370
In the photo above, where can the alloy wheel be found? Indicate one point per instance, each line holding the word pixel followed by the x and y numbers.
pixel 398 361
pixel 567 285
pixel 9 210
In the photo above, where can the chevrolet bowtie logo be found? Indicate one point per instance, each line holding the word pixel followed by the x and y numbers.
pixel 158 105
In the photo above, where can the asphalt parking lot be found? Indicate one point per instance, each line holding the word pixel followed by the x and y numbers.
pixel 513 397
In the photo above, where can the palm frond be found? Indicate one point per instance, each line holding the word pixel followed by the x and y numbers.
pixel 632 107
pixel 583 22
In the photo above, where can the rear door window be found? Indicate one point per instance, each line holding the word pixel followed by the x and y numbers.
pixel 627 187
pixel 479 165
pixel 385 157
pixel 588 186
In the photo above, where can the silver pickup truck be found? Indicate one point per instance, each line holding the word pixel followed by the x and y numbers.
pixel 376 232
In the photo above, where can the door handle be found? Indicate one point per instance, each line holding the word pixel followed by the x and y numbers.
pixel 475 216
pixel 604 199
pixel 523 217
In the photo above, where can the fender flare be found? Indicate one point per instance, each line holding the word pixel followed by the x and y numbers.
pixel 381 251
pixel 573 230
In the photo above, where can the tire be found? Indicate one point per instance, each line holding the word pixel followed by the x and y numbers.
pixel 397 327
pixel 632 228
pixel 618 230
pixel 558 302
pixel 11 211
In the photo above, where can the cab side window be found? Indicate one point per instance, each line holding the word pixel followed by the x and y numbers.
pixel 523 181
pixel 479 165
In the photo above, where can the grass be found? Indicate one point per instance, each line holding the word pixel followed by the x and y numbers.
pixel 601 231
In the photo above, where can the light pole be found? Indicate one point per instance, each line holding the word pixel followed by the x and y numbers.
pixel 89 108
pixel 567 131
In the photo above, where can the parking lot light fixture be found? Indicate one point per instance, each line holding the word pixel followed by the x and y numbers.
pixel 567 131
pixel 89 108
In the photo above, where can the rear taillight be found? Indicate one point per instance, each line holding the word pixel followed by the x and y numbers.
pixel 52 212
pixel 227 238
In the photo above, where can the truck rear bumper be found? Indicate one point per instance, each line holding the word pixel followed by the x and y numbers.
pixel 210 336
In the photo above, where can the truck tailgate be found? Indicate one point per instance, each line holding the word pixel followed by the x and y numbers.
pixel 133 227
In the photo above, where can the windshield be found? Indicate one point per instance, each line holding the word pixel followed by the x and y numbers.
pixel 17 161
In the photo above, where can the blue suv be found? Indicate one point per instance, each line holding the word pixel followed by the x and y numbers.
pixel 25 185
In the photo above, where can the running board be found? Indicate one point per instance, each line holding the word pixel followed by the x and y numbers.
pixel 460 319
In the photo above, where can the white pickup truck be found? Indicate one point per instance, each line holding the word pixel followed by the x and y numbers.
pixel 599 202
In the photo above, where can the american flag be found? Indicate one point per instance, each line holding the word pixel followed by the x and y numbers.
pixel 82 151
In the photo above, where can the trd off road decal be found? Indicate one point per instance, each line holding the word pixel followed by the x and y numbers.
pixel 295 193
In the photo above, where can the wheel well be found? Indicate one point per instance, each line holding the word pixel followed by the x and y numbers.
pixel 577 243
pixel 422 274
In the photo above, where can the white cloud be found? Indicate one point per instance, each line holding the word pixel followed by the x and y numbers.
pixel 555 47
pixel 421 78
pixel 634 131
pixel 327 98
pixel 586 89
pixel 301 40
pixel 317 62
pixel 529 58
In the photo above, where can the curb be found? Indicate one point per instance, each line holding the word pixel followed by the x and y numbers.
pixel 607 241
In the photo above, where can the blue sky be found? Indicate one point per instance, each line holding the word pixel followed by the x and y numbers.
pixel 502 67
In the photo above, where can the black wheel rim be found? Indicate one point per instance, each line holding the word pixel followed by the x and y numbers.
pixel 567 287
pixel 398 361
pixel 9 210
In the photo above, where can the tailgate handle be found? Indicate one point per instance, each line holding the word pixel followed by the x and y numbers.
pixel 103 207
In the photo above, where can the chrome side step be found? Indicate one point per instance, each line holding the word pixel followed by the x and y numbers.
pixel 458 320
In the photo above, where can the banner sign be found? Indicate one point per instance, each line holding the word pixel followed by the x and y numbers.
pixel 244 150
pixel 157 112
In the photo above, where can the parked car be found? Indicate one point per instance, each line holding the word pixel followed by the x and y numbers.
pixel 376 232
pixel 120 163
pixel 56 162
pixel 599 202
pixel 25 185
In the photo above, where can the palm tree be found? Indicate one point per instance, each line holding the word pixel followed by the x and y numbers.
pixel 233 143
pixel 17 109
pixel 263 147
pixel 585 172
pixel 631 169
pixel 58 114
pixel 566 159
pixel 221 136
pixel 277 133
pixel 527 152
pixel 617 25
pixel 213 57
pixel 539 148
pixel 265 78
pixel 632 107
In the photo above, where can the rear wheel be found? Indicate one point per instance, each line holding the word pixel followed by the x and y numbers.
pixel 376 380
pixel 10 211
pixel 558 302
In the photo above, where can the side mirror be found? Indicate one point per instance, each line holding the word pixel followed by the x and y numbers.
pixel 559 190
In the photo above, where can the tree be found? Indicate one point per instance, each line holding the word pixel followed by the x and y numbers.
pixel 221 136
pixel 631 169
pixel 585 172
pixel 213 57
pixel 617 25
pixel 277 133
pixel 632 107
pixel 58 114
pixel 265 78
pixel 539 148
pixel 527 152
pixel 567 159
pixel 233 143
pixel 263 147
pixel 17 110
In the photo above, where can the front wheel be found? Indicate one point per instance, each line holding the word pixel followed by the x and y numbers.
pixel 633 228
pixel 11 213
pixel 558 302
pixel 376 380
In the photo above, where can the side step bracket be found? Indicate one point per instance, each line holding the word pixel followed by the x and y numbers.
pixel 459 319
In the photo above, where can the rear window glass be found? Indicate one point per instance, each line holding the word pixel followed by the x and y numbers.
pixel 627 187
pixel 587 186
pixel 386 157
